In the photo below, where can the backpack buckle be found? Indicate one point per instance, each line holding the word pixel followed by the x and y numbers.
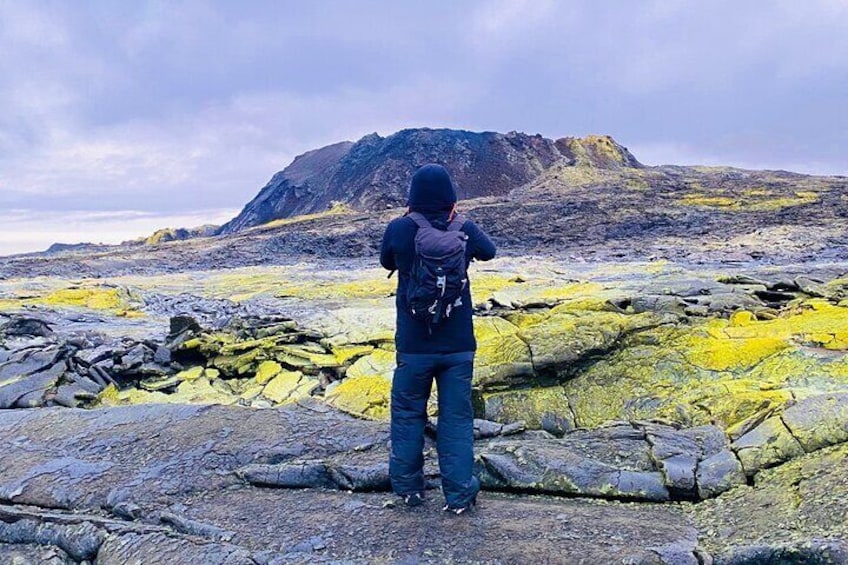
pixel 441 283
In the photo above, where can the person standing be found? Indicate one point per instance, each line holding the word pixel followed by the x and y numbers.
pixel 431 247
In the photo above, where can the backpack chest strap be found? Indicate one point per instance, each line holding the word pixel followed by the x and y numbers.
pixel 422 222
pixel 419 220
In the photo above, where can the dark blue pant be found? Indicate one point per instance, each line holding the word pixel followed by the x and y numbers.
pixel 455 436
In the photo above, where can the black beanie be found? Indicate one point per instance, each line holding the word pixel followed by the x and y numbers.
pixel 431 190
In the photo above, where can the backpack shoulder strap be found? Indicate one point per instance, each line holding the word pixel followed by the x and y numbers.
pixel 457 223
pixel 419 219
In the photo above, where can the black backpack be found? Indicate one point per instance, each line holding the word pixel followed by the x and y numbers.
pixel 439 271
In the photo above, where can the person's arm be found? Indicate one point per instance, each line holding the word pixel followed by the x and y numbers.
pixel 387 255
pixel 484 248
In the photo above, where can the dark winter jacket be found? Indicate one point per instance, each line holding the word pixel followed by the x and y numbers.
pixel 432 193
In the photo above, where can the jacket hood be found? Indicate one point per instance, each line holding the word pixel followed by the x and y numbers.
pixel 431 190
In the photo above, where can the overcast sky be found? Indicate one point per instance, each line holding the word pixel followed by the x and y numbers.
pixel 120 117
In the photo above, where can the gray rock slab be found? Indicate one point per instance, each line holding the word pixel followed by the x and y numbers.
pixel 819 421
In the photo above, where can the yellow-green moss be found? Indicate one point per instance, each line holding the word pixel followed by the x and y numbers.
pixel 755 200
pixel 336 209
pixel 115 300
pixel 705 200
pixel 502 356
pixel 199 391
pixel 720 371
pixel 364 395
pixel 539 408
pixel 379 287
pixel 345 353
pixel 380 362
pixel 287 386
pixel 266 371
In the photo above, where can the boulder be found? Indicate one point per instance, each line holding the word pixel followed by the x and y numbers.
pixel 819 421
pixel 95 355
pixel 642 461
pixel 26 326
pixel 288 386
pixel 567 336
pixel 26 390
pixel 719 473
pixel 31 554
pixel 503 358
pixel 558 468
pixel 808 425
pixel 767 445
pixel 541 408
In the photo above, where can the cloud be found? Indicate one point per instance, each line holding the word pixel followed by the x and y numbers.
pixel 682 154
pixel 220 154
pixel 170 107
pixel 505 18
pixel 24 230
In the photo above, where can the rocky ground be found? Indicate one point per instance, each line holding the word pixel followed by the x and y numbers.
pixel 662 372
pixel 173 484
pixel 642 412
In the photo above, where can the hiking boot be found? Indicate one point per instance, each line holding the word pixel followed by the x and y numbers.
pixel 459 510
pixel 414 499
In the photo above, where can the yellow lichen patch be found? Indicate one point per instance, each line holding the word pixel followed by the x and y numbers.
pixel 266 371
pixel 345 353
pixel 509 291
pixel 116 300
pixel 200 391
pixel 742 318
pixel 804 369
pixel 695 199
pixel 484 286
pixel 379 287
pixel 367 396
pixel 596 150
pixel 814 322
pixel 191 374
pixel 380 362
pixel 818 322
pixel 10 304
pixel 522 319
pixel 586 293
pixel 539 408
pixel 287 386
pixel 336 209
pixel 755 200
pixel 721 371
pixel 774 204
pixel 715 352
pixel 160 236
pixel 109 396
pixel 730 401
pixel 502 356
pixel 240 285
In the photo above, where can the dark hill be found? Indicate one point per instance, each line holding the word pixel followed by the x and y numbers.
pixel 374 172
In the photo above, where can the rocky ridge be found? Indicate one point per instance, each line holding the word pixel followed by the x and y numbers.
pixel 374 172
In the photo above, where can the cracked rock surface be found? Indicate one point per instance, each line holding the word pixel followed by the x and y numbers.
pixel 202 484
